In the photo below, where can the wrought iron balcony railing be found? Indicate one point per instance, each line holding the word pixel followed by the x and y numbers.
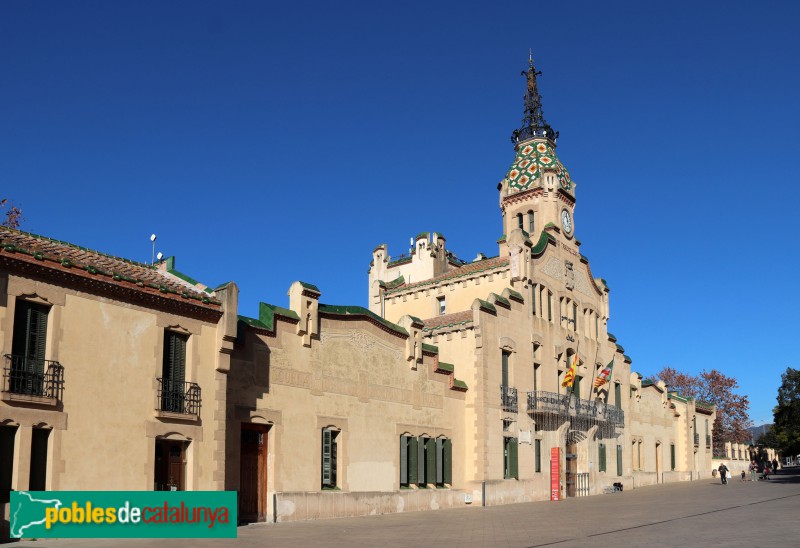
pixel 541 402
pixel 697 439
pixel 508 398
pixel 708 440
pixel 178 397
pixel 33 377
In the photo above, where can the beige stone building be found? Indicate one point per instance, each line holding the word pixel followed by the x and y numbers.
pixel 448 389
pixel 114 372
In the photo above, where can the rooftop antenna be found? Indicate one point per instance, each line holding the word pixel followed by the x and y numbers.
pixel 153 240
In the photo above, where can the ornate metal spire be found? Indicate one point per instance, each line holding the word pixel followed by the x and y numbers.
pixel 533 124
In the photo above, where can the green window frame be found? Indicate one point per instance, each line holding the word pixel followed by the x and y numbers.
pixel 408 460
pixel 511 458
pixel 617 395
pixel 601 457
pixel 504 369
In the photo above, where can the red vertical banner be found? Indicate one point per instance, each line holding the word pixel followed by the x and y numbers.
pixel 555 473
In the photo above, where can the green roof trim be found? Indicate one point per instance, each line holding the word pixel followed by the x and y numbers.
pixel 430 349
pixel 647 382
pixel 267 313
pixel 516 295
pixel 499 299
pixel 611 337
pixel 604 282
pixel 531 161
pixel 501 239
pixel 540 246
pixel 312 287
pixel 489 307
pixel 397 282
pixel 344 310
pixel 676 396
pixel 449 367
pixel 704 405
pixel 459 385
pixel 401 260
pixel 449 279
pixel 620 349
pixel 422 235
pixel 627 358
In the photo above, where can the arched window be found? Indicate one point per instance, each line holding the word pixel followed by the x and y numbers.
pixel 530 221
pixel 330 451
pixel 519 220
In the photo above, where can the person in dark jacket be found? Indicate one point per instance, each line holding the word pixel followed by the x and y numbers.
pixel 723 473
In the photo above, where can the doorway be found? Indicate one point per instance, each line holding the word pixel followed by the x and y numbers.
pixel 170 468
pixel 253 473
pixel 571 471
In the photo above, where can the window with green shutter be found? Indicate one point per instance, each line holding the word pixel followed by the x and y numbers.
pixel 405 442
pixel 447 461
pixel 511 467
pixel 329 460
pixel 28 348
pixel 173 372
pixel 619 460
pixel 430 461
pixel 537 455
pixel 422 462
pixel 413 469
pixel 618 395
pixel 602 457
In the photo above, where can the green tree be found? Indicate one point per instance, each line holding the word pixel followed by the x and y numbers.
pixel 786 430
pixel 13 214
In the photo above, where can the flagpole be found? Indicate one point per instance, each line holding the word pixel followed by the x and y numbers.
pixel 594 370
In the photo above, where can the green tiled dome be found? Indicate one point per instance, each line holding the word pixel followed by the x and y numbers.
pixel 532 159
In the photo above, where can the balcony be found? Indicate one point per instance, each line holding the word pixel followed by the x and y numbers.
pixel 32 380
pixel 178 399
pixel 697 440
pixel 551 403
pixel 508 398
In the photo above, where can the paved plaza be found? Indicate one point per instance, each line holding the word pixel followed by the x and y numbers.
pixel 702 512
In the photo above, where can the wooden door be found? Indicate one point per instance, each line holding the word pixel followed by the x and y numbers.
pixel 170 468
pixel 253 473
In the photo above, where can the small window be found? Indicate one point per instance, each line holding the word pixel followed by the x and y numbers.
pixel 537 455
pixel 519 220
pixel 533 299
pixel 576 387
pixel 442 305
pixel 672 456
pixel 504 369
pixel 575 317
pixel 536 367
pixel 330 451
pixel 549 306
pixel 601 460
pixel 530 222
pixel 617 395
pixel 619 460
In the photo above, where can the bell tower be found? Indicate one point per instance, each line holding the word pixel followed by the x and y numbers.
pixel 537 192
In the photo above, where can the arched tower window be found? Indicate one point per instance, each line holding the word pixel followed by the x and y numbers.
pixel 530 222
pixel 519 220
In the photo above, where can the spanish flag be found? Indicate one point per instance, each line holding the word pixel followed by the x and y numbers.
pixel 569 377
pixel 604 375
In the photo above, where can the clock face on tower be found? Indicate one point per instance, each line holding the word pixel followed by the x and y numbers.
pixel 566 221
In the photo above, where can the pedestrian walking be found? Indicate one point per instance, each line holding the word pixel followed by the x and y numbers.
pixel 753 470
pixel 774 466
pixel 723 472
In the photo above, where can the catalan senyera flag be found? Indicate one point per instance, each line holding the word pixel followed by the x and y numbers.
pixel 569 377
pixel 604 375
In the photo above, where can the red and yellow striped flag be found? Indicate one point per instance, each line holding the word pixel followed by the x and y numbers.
pixel 604 375
pixel 569 377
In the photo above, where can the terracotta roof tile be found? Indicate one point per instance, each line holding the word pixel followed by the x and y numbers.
pixel 52 251
pixel 448 319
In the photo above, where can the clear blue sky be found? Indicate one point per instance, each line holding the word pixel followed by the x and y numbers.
pixel 265 142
